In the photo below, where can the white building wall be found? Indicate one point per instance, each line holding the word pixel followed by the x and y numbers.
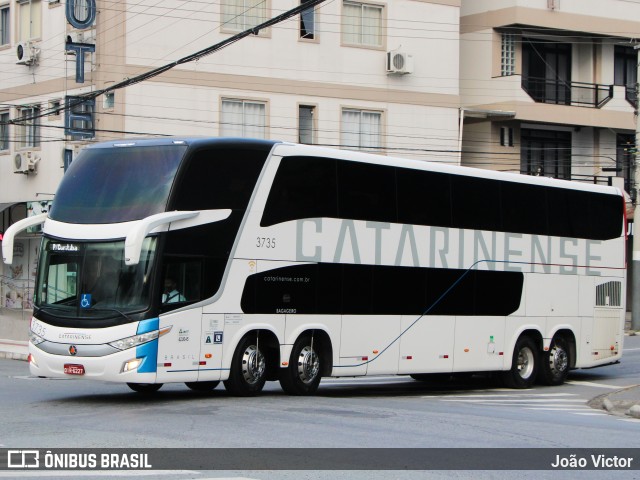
pixel 614 9
pixel 427 31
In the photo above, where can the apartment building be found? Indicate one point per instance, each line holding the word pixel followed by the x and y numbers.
pixel 548 87
pixel 372 75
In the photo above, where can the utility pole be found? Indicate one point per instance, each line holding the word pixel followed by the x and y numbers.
pixel 635 279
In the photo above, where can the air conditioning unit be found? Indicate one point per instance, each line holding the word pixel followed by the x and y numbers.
pixel 26 162
pixel 399 63
pixel 27 53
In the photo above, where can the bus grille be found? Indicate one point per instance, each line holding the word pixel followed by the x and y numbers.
pixel 609 294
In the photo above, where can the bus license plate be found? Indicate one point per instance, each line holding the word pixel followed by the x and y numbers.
pixel 73 369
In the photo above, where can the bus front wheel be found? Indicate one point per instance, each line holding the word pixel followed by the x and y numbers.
pixel 524 365
pixel 302 375
pixel 248 369
pixel 145 388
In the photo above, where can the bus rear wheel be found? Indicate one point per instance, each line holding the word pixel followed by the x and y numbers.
pixel 145 388
pixel 302 376
pixel 524 365
pixel 555 362
pixel 248 369
pixel 202 386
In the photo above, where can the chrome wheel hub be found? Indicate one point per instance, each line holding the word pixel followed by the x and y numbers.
pixel 253 365
pixel 525 363
pixel 558 360
pixel 308 365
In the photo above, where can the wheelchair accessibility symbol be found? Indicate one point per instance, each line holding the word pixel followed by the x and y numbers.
pixel 85 300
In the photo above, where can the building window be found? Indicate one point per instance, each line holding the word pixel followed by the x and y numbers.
pixel 546 153
pixel 109 101
pixel 508 55
pixel 4 131
pixel 55 107
pixel 506 136
pixel 4 25
pixel 30 19
pixel 625 71
pixel 28 127
pixel 362 24
pixel 361 129
pixel 239 15
pixel 307 22
pixel 306 124
pixel 241 118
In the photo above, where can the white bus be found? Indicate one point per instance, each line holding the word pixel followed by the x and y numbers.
pixel 244 261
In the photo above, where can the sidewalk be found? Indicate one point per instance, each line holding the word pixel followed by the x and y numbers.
pixel 13 349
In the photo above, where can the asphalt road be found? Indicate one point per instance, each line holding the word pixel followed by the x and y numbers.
pixel 385 412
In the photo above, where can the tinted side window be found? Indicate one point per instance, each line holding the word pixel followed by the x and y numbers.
pixel 476 203
pixel 524 208
pixel 606 214
pixel 218 178
pixel 304 187
pixel 381 290
pixel 211 179
pixel 560 220
pixel 367 192
pixel 424 198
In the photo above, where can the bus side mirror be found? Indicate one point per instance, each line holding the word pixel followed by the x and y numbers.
pixel 15 229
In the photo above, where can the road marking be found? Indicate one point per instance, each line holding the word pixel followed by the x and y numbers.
pixel 592 413
pixel 630 349
pixel 514 401
pixel 520 395
pixel 597 385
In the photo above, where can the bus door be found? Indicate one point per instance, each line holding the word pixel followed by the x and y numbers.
pixel 179 349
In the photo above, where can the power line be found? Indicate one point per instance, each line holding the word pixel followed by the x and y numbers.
pixel 189 58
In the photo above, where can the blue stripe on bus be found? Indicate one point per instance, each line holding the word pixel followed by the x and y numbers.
pixel 148 351
pixel 198 370
pixel 149 325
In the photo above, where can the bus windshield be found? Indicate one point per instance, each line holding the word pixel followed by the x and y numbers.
pixel 91 280
pixel 117 184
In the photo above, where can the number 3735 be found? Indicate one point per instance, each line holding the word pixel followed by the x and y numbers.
pixel 266 242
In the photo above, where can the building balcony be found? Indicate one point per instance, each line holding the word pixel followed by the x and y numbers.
pixel 631 95
pixel 560 92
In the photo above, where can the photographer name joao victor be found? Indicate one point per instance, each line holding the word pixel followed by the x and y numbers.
pixel 592 461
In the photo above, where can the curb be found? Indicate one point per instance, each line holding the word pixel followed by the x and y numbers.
pixel 14 349
pixel 14 356
pixel 624 407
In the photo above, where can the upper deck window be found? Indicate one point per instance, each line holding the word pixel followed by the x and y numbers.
pixel 112 185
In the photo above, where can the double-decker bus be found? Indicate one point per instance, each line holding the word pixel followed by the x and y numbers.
pixel 202 260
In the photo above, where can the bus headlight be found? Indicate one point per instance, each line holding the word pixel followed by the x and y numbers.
pixel 135 340
pixel 35 339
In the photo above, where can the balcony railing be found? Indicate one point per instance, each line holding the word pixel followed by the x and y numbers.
pixel 560 92
pixel 631 95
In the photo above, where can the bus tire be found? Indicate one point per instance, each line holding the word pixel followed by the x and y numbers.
pixel 145 388
pixel 248 369
pixel 524 364
pixel 202 386
pixel 303 374
pixel 555 363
